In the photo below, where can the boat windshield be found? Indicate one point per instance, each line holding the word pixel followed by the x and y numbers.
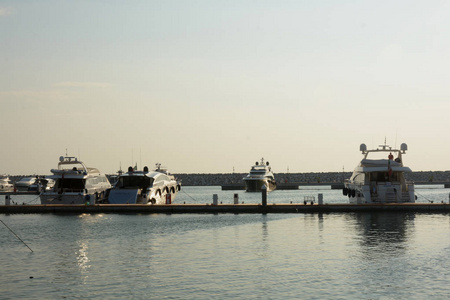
pixel 69 184
pixel 258 172
pixel 134 182
pixel 383 155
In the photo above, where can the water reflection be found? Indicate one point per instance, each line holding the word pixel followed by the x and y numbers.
pixel 382 233
pixel 383 258
pixel 82 257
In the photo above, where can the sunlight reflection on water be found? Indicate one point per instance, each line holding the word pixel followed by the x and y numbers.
pixel 297 256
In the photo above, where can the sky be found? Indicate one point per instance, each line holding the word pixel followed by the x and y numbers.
pixel 213 86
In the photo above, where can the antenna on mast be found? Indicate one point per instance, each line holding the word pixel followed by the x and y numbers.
pixel 395 144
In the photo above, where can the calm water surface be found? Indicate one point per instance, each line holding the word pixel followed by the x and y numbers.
pixel 290 256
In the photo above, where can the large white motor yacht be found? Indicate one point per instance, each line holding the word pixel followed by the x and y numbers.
pixel 144 187
pixel 6 184
pixel 259 175
pixel 75 183
pixel 380 180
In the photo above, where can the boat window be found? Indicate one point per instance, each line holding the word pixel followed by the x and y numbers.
pixel 359 177
pixel 70 183
pixel 384 176
pixel 164 177
pixel 128 182
pixel 258 172
pixel 93 181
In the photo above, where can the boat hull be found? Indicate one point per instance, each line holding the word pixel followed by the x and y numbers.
pixel 68 198
pixel 380 193
pixel 134 196
pixel 255 185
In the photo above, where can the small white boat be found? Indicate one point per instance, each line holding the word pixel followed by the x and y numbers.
pixel 41 184
pixel 24 183
pixel 75 183
pixel 260 175
pixel 144 187
pixel 6 185
pixel 380 180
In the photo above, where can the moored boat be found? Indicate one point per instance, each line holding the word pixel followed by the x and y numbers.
pixel 6 185
pixel 260 175
pixel 380 180
pixel 144 187
pixel 41 183
pixel 75 183
pixel 24 183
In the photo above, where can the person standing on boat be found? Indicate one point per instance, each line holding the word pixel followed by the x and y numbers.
pixel 391 157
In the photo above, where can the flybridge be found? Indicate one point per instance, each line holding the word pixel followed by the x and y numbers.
pixel 384 148
pixel 71 165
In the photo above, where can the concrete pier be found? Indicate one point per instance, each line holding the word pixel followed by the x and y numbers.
pixel 224 208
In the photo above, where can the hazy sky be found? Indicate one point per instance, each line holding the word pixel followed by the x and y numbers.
pixel 208 86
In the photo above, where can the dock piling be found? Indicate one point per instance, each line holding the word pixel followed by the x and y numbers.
pixel 264 195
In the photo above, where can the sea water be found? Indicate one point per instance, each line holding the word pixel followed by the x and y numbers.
pixel 227 256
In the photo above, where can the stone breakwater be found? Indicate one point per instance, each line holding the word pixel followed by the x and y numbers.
pixel 313 178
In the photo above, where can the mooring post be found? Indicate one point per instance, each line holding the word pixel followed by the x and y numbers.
pixel 320 197
pixel 264 195
pixel 236 198
pixel 215 199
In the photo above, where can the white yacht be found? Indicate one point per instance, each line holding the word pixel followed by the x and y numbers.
pixel 260 174
pixel 75 183
pixel 380 180
pixel 144 187
pixel 6 185
pixel 24 183
pixel 34 184
pixel 41 183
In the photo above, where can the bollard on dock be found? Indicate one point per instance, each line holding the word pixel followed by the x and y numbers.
pixel 215 199
pixel 264 195
pixel 320 199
